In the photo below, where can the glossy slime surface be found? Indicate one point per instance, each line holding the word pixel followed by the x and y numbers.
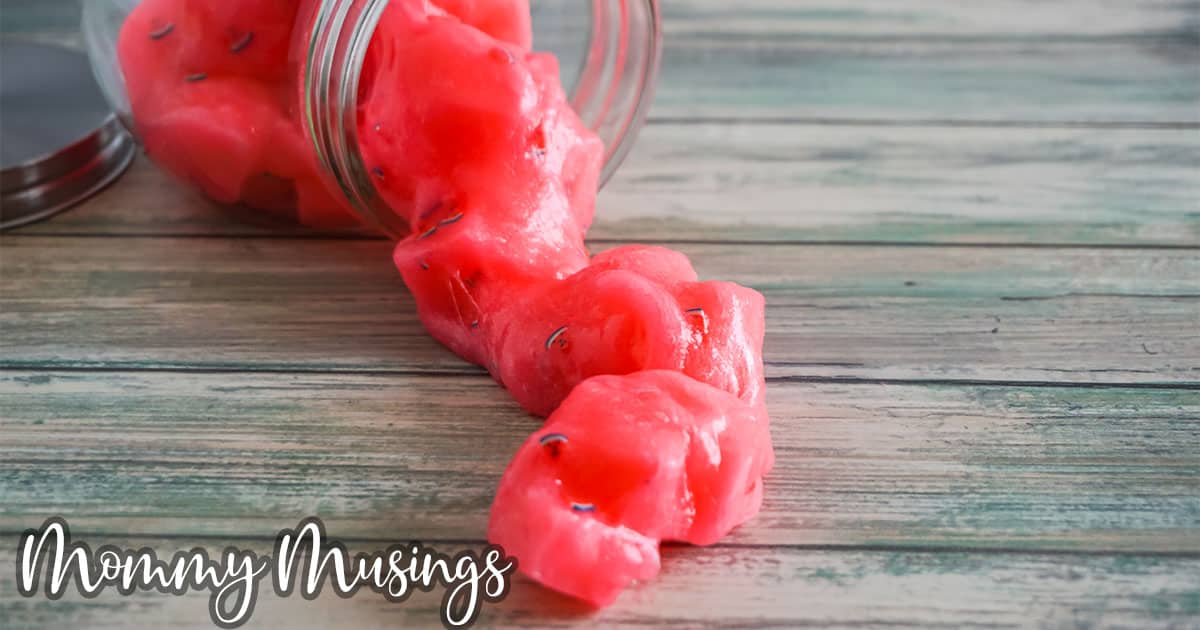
pixel 652 380
pixel 213 94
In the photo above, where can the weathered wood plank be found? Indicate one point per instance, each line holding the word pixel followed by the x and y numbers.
pixel 1156 79
pixel 1001 59
pixel 1078 315
pixel 224 454
pixel 925 19
pixel 820 183
pixel 917 18
pixel 720 588
pixel 999 122
pixel 40 17
pixel 815 182
pixel 1069 60
pixel 908 184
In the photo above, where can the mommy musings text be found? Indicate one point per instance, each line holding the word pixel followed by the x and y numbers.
pixel 304 561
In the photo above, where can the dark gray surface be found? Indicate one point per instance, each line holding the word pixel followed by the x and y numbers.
pixel 48 100
pixel 59 141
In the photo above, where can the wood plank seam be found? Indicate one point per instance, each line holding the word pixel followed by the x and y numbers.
pixel 472 372
pixel 665 240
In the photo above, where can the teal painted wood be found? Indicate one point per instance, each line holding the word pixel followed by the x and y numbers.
pixel 1065 60
pixel 759 588
pixel 896 184
pixel 967 435
pixel 1069 60
pixel 24 17
pixel 806 183
pixel 980 313
pixel 859 465
pixel 903 146
pixel 980 21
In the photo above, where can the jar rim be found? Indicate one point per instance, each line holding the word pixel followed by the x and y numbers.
pixel 332 68
pixel 341 33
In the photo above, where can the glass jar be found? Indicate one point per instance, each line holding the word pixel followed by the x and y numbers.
pixel 609 53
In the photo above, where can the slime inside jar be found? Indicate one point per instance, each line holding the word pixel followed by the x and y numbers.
pixel 213 101
pixel 213 89
pixel 452 119
pixel 653 380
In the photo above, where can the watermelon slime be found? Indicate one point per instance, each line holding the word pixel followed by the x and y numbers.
pixel 213 96
pixel 652 380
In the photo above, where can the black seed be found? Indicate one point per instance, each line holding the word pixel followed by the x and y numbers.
pixel 553 443
pixel 583 507
pixel 552 437
pixel 475 324
pixel 452 220
pixel 555 336
pixel 242 43
pixel 377 172
pixel 428 233
pixel 193 78
pixel 162 32
pixel 695 311
pixel 424 265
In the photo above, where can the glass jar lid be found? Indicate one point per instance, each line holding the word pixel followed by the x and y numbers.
pixel 60 143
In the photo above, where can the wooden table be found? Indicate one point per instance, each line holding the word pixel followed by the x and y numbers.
pixel 978 229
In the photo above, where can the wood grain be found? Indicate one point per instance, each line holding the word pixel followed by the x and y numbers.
pixel 728 588
pixel 1011 60
pixel 907 184
pixel 970 22
pixel 812 183
pixel 924 100
pixel 1065 60
pixel 914 466
pixel 978 229
pixel 997 314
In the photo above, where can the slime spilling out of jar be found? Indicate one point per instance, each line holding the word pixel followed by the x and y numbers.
pixel 652 380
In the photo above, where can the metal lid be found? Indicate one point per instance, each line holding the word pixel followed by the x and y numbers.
pixel 59 141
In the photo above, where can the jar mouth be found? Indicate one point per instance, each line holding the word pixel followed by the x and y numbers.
pixel 619 75
pixel 341 33
pixel 612 95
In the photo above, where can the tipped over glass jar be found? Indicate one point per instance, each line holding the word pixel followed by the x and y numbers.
pixel 300 108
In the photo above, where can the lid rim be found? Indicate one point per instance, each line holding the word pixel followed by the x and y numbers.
pixel 69 182
pixel 62 162
pixel 67 144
